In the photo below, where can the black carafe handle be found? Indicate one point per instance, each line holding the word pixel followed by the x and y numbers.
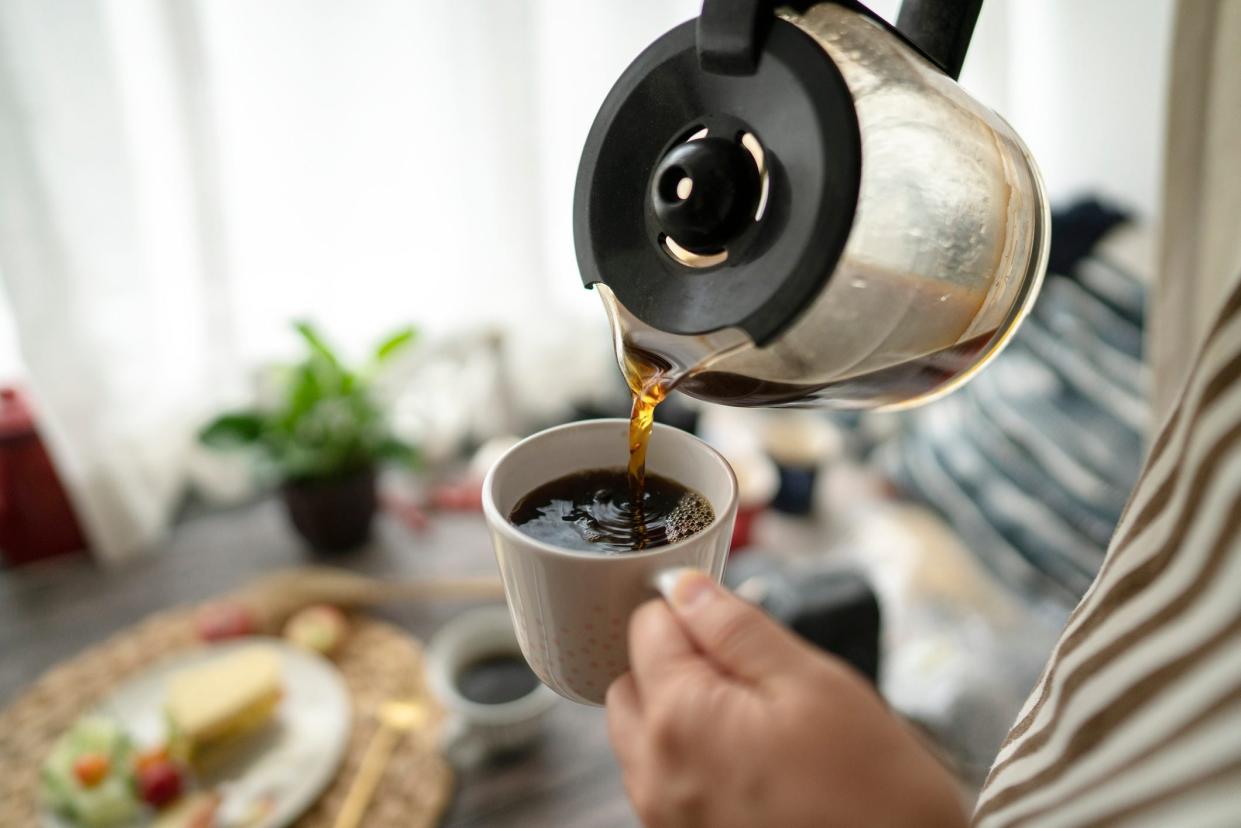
pixel 729 35
pixel 941 29
pixel 731 31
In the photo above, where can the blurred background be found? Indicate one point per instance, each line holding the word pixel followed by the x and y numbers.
pixel 182 180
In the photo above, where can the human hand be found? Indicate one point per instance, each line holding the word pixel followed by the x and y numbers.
pixel 726 719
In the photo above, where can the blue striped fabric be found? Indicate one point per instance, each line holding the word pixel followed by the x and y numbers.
pixel 1032 461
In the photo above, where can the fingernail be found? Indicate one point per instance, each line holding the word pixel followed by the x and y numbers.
pixel 684 586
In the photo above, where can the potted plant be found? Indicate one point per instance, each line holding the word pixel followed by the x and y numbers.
pixel 323 437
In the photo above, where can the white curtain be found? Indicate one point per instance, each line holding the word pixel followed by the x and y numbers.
pixel 180 178
pixel 103 253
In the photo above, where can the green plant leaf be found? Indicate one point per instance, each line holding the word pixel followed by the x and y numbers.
pixel 395 343
pixel 238 428
pixel 303 392
pixel 349 385
pixel 397 451
pixel 318 346
pixel 327 422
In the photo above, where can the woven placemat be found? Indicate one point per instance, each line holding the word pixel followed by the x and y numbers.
pixel 379 662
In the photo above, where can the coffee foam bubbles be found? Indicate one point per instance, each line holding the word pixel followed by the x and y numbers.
pixel 690 516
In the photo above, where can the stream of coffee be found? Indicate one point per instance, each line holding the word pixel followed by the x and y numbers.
pixel 649 383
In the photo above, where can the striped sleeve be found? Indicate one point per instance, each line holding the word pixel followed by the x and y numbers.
pixel 1137 717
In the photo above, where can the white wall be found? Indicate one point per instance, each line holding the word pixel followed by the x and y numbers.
pixel 1084 83
pixel 1088 90
pixel 582 49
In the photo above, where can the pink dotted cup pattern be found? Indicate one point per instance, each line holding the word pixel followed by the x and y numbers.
pixel 589 658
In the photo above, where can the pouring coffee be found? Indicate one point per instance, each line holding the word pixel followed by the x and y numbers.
pixel 797 205
pixel 778 206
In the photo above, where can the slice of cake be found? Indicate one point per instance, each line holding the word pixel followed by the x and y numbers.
pixel 220 700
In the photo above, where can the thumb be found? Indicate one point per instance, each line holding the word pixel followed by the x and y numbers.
pixel 736 636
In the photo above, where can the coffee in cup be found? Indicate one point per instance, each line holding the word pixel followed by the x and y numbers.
pixel 571 607
pixel 495 678
pixel 494 701
pixel 598 510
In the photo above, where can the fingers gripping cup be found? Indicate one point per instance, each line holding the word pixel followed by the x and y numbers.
pixel 571 608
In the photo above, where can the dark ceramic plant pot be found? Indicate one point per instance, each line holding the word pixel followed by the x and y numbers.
pixel 333 515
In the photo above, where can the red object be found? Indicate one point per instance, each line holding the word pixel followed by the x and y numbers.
pixel 409 513
pixel 458 497
pixel 152 756
pixel 742 526
pixel 36 518
pixel 90 769
pixel 222 620
pixel 159 783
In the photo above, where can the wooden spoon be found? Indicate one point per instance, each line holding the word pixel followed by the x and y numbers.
pixel 273 598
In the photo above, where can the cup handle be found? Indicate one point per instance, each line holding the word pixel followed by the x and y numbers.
pixel 460 744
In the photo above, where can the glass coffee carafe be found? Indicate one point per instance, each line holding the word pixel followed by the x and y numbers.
pixel 802 207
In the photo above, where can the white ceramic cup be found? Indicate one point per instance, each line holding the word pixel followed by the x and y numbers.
pixel 571 609
pixel 474 731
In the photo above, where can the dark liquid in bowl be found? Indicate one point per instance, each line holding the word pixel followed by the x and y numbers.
pixel 496 679
pixel 596 511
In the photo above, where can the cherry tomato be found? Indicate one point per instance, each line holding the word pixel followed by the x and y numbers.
pixel 151 756
pixel 159 783
pixel 91 768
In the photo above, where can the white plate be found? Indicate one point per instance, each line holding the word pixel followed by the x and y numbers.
pixel 292 759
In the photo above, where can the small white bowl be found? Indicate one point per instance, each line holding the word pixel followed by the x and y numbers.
pixel 474 731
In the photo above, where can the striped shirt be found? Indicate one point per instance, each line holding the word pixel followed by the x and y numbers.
pixel 1137 717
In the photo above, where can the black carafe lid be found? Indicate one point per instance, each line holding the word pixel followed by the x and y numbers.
pixel 649 175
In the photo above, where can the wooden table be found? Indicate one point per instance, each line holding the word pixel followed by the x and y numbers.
pixel 51 611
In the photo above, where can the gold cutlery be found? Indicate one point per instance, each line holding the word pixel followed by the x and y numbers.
pixel 396 718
